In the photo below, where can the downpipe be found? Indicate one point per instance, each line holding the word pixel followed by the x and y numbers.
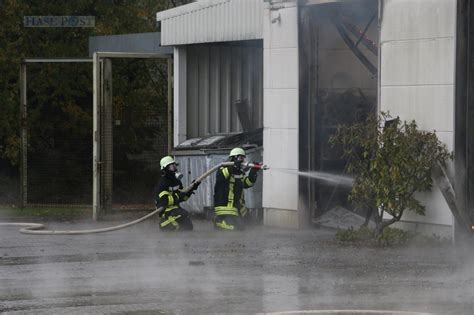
pixel 443 182
pixel 38 229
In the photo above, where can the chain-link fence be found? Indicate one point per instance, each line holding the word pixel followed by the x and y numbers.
pixel 139 129
pixel 59 132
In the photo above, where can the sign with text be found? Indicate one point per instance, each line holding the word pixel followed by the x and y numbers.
pixel 59 21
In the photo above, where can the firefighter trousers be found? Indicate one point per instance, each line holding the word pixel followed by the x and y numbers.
pixel 175 219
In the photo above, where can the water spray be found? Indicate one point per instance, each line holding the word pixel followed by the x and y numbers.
pixel 329 178
pixel 37 228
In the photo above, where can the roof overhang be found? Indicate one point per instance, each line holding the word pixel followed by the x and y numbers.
pixel 129 43
pixel 208 21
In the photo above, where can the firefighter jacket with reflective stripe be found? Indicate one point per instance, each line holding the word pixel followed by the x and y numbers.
pixel 228 191
pixel 169 193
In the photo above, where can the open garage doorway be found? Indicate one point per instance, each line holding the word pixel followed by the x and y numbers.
pixel 464 116
pixel 338 62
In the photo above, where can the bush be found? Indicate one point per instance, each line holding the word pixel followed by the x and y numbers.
pixel 391 161
pixel 364 235
pixel 393 236
pixel 352 235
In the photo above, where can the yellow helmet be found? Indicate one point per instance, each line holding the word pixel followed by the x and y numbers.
pixel 167 160
pixel 237 151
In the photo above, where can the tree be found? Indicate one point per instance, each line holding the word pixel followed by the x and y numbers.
pixel 390 164
pixel 17 42
pixel 60 95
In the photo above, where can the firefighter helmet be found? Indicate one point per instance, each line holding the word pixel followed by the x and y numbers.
pixel 236 152
pixel 167 160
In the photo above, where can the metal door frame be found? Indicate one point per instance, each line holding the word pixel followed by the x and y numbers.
pixel 101 101
pixel 98 60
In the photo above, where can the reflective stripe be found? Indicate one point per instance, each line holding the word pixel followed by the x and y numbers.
pixel 248 182
pixel 171 219
pixel 227 212
pixel 170 198
pixel 225 171
pixel 230 197
pixel 224 208
pixel 237 176
pixel 164 192
pixel 171 208
pixel 225 226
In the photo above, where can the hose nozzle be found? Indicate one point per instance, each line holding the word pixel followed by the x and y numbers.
pixel 258 166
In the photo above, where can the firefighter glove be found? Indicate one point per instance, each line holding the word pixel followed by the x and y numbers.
pixel 253 174
pixel 195 184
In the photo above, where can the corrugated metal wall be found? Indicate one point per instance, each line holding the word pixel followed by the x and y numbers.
pixel 218 76
pixel 212 21
pixel 193 164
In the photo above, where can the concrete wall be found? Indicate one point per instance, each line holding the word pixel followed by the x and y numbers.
pixel 180 96
pixel 280 119
pixel 417 77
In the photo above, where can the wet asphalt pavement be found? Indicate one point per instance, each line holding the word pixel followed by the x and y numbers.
pixel 141 270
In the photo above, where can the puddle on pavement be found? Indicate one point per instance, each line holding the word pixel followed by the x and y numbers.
pixel 347 312
pixel 34 260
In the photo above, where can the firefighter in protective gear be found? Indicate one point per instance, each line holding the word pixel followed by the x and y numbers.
pixel 170 195
pixel 229 203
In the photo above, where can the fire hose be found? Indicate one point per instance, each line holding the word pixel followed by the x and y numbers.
pixel 37 228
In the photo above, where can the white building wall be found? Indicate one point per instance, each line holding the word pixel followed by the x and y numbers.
pixel 280 118
pixel 417 78
pixel 180 96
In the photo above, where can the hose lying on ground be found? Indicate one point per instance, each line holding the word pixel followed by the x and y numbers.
pixel 37 228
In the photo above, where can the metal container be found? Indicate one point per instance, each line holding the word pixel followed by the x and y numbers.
pixel 196 156
pixel 194 163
